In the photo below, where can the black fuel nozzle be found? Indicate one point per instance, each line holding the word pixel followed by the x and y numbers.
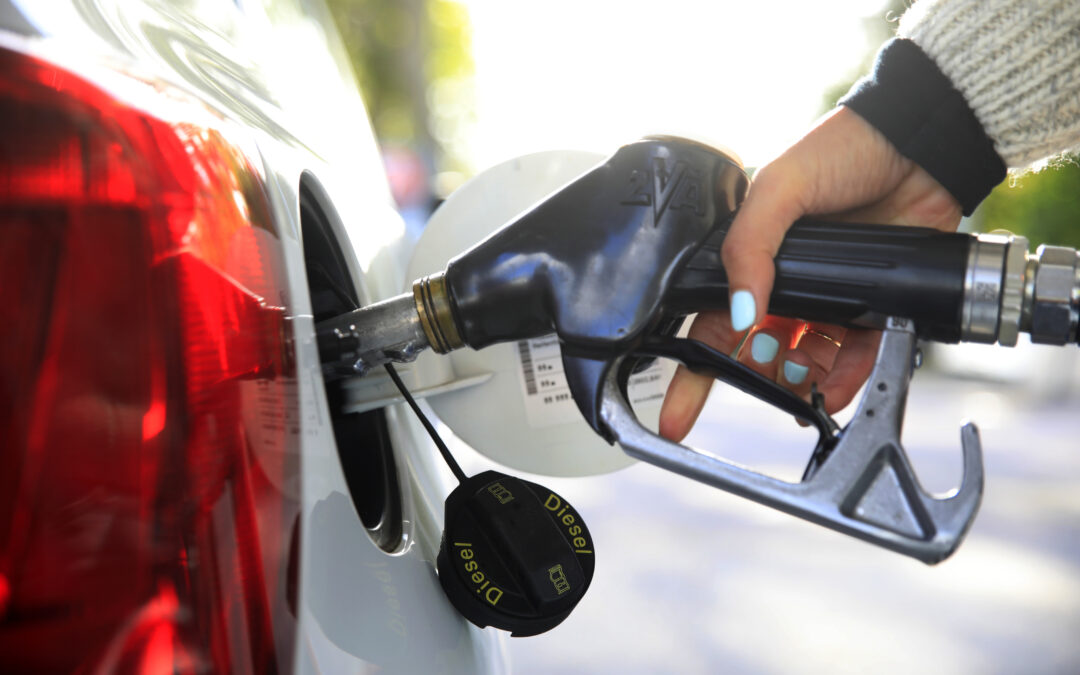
pixel 594 260
pixel 616 258
pixel 617 255
pixel 609 261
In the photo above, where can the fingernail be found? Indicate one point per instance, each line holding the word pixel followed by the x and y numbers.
pixel 764 347
pixel 743 310
pixel 795 373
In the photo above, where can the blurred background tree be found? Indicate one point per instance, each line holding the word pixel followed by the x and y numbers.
pixel 1043 205
pixel 414 63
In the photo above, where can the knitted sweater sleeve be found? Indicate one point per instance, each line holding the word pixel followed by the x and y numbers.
pixel 972 86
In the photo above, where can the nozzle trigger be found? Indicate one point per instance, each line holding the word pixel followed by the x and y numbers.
pixel 859 482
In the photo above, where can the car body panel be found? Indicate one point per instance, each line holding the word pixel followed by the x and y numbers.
pixel 274 75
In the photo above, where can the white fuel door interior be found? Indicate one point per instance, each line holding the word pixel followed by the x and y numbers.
pixel 516 408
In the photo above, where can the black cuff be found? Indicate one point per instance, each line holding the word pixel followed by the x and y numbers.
pixel 916 107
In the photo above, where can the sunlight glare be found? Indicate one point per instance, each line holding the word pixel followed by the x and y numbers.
pixel 592 75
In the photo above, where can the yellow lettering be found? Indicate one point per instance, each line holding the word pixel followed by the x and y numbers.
pixel 467 553
pixel 461 543
pixel 556 505
pixel 478 577
pixel 471 566
pixel 493 595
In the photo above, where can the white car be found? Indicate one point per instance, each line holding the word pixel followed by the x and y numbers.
pixel 185 189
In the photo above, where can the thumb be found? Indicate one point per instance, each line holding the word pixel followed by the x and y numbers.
pixel 841 163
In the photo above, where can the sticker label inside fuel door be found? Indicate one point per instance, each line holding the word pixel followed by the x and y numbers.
pixel 547 395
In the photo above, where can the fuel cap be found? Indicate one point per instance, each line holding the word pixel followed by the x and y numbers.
pixel 514 554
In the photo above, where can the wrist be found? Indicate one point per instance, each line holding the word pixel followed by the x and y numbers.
pixel 913 104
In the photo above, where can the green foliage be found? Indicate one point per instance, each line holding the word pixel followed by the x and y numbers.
pixel 371 29
pixel 404 52
pixel 1044 206
pixel 450 51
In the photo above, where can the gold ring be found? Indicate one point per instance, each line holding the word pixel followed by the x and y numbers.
pixel 820 334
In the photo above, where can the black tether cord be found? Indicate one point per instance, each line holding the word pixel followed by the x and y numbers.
pixel 443 450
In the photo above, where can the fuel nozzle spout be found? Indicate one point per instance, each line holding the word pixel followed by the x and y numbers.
pixel 354 343
pixel 396 330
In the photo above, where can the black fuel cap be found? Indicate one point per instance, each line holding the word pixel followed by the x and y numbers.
pixel 514 554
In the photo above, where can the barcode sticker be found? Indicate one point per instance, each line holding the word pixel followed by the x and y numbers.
pixel 527 367
pixel 547 395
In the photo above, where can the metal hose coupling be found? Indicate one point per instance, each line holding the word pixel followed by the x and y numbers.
pixel 436 315
pixel 1008 290
pixel 1051 292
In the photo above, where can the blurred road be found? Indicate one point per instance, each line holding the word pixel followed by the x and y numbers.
pixel 693 580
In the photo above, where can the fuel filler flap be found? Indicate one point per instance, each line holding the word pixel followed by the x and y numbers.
pixel 518 410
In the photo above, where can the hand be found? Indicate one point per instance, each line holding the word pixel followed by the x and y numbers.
pixel 844 168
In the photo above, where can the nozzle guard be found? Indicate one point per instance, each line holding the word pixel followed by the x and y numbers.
pixel 864 486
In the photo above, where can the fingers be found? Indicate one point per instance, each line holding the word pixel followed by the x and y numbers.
pixel 769 344
pixel 842 163
pixel 687 392
pixel 683 402
pixel 850 369
pixel 809 362
pixel 836 359
pixel 753 240
pixel 795 354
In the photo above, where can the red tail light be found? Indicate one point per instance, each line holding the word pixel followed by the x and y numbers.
pixel 147 439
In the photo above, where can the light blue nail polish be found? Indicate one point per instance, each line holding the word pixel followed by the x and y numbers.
pixel 743 310
pixel 764 347
pixel 795 373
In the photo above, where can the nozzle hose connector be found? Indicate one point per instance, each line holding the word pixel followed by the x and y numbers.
pixel 1008 290
pixel 984 288
pixel 436 316
pixel 1051 295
